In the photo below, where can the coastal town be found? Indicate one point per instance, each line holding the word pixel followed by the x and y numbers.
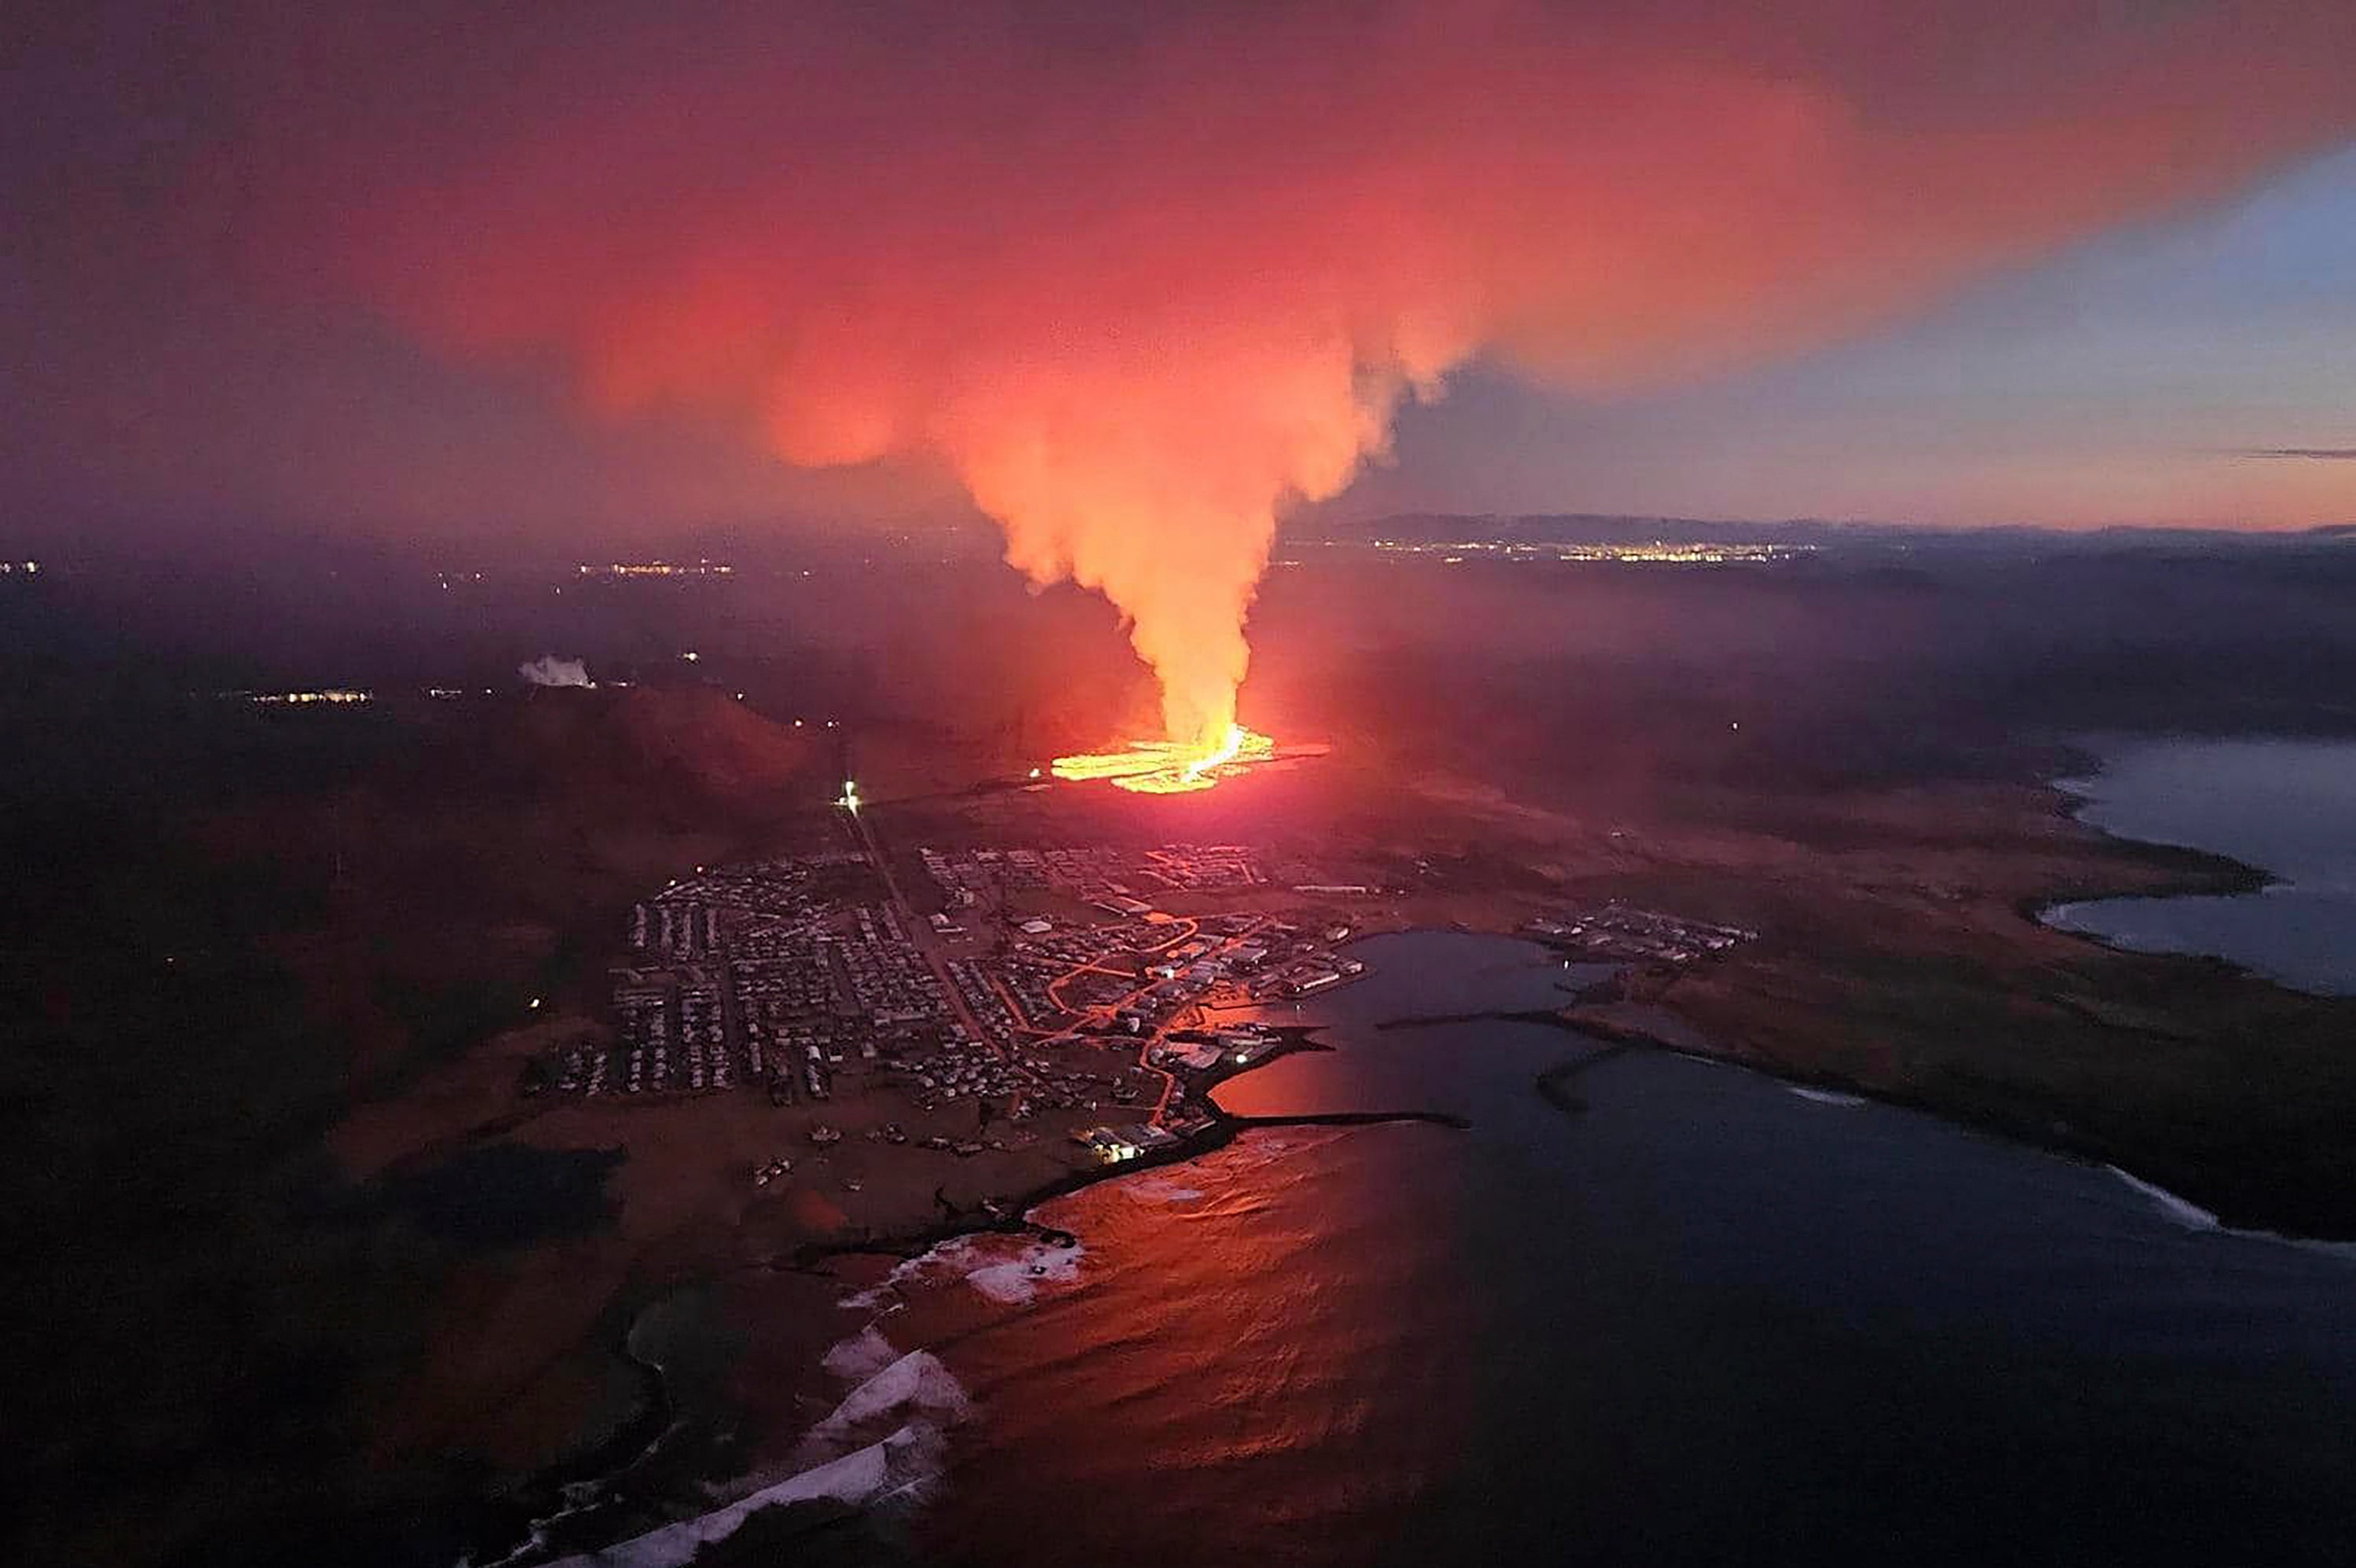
pixel 1616 932
pixel 965 1001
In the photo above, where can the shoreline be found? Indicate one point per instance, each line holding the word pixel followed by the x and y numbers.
pixel 1553 1086
pixel 2246 1197
pixel 1223 1129
pixel 1556 1085
pixel 2221 876
pixel 2058 1140
pixel 2192 872
pixel 1589 1013
pixel 628 1447
pixel 2233 878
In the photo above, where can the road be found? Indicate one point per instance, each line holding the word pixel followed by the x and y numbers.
pixel 918 932
pixel 1105 1011
pixel 864 833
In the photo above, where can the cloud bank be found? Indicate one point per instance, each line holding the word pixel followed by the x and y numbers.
pixel 1143 278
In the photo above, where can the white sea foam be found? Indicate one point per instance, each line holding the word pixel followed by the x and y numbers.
pixel 1009 1269
pixel 2183 1211
pixel 1016 1280
pixel 1824 1096
pixel 859 1476
pixel 580 1498
pixel 1157 1188
pixel 912 1401
pixel 915 1386
pixel 860 1357
pixel 882 1294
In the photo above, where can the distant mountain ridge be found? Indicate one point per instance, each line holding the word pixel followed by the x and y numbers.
pixel 1598 529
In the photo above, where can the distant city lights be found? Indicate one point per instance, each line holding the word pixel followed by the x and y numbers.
pixel 698 568
pixel 1655 552
pixel 335 695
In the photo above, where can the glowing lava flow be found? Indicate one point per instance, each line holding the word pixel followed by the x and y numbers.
pixel 1167 767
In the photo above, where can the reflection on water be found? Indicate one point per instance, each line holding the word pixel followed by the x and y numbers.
pixel 2288 807
pixel 1708 1320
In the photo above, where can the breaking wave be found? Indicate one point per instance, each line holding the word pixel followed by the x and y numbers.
pixel 2183 1210
pixel 860 1357
pixel 2190 1215
pixel 1007 1269
pixel 887 1441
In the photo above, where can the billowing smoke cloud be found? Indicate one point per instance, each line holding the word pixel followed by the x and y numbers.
pixel 549 670
pixel 1143 280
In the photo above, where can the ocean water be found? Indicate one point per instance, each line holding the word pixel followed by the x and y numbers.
pixel 2287 806
pixel 1707 1319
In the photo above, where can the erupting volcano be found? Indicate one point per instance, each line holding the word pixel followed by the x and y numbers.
pixel 1172 767
pixel 1139 286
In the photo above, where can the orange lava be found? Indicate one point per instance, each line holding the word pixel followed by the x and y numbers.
pixel 1170 767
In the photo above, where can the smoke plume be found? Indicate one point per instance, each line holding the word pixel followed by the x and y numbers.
pixel 1143 280
pixel 549 670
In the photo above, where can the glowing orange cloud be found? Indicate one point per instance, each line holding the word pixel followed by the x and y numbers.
pixel 1142 280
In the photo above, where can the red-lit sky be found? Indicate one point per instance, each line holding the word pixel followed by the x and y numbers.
pixel 452 271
